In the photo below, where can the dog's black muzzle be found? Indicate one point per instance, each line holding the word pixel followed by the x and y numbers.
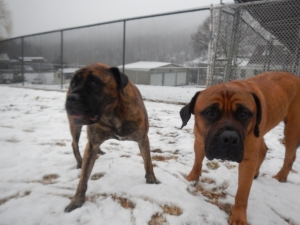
pixel 227 144
pixel 80 113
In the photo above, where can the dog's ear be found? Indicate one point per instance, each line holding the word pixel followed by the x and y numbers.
pixel 186 111
pixel 258 114
pixel 120 78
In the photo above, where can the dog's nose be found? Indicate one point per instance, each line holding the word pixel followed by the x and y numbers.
pixel 73 97
pixel 229 138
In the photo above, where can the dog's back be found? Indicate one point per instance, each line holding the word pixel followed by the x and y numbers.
pixel 286 87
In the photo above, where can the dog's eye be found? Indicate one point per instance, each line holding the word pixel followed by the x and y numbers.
pixel 210 114
pixel 244 114
pixel 95 82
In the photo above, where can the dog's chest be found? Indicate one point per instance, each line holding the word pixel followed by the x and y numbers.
pixel 120 128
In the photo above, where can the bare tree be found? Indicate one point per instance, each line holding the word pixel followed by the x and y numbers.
pixel 200 39
pixel 5 21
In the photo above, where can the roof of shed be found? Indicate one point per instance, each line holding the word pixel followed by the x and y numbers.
pixel 4 57
pixel 70 70
pixel 147 65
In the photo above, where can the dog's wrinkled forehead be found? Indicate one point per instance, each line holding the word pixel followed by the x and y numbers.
pixel 95 72
pixel 226 99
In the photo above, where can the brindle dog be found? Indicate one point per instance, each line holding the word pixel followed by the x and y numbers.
pixel 112 107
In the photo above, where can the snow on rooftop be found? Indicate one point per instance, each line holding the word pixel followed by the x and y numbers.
pixel 70 70
pixel 145 65
pixel 30 59
pixel 4 57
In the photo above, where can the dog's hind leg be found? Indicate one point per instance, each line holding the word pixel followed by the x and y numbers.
pixel 75 132
pixel 261 156
pixel 145 152
pixel 292 140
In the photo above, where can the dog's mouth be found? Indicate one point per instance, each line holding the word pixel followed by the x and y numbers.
pixel 80 119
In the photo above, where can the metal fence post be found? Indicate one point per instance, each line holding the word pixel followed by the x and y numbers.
pixel 230 67
pixel 297 59
pixel 22 53
pixel 62 58
pixel 124 43
pixel 198 78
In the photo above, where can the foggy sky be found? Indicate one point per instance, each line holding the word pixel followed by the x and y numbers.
pixel 35 16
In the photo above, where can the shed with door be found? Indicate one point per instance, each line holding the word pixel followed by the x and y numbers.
pixel 156 73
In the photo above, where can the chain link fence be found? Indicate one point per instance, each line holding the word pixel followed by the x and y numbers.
pixel 250 38
pixel 244 39
pixel 49 59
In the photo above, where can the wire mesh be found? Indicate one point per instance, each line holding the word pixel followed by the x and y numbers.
pixel 250 38
pixel 50 59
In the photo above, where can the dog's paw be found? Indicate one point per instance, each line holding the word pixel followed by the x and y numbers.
pixel 238 216
pixel 281 179
pixel 193 177
pixel 78 166
pixel 101 152
pixel 74 205
pixel 152 180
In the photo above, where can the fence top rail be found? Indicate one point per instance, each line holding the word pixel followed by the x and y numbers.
pixel 257 2
pixel 113 21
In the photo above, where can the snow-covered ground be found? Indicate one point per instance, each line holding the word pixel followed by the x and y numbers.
pixel 38 174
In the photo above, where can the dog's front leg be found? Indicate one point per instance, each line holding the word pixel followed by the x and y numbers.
pixel 75 132
pixel 247 170
pixel 145 152
pixel 199 156
pixel 89 158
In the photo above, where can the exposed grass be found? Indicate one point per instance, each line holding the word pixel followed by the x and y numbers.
pixel 48 179
pixel 213 195
pixel 97 176
pixel 124 202
pixel 13 140
pixel 163 158
pixel 172 210
pixel 213 165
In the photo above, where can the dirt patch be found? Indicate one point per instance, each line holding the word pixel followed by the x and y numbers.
pixel 114 144
pixel 29 130
pixel 125 156
pixel 60 144
pixel 207 180
pixel 97 176
pixel 2 201
pixel 172 210
pixel 7 126
pixel 157 219
pixel 294 171
pixel 163 158
pixel 13 140
pixel 57 143
pixel 213 195
pixel 213 165
pixel 49 179
pixel 157 150
pixel 282 141
pixel 124 202
pixel 229 165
